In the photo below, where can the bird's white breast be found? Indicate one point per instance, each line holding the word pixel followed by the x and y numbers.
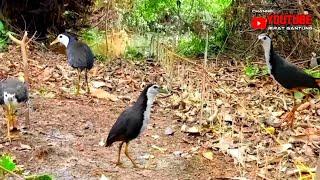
pixel 146 114
pixel 267 58
pixel 13 102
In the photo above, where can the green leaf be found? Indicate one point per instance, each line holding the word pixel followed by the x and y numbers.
pixel 314 73
pixel 251 71
pixel 40 177
pixel 1 26
pixel 298 95
pixel 7 163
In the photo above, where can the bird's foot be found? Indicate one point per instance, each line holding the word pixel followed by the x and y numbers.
pixel 11 137
pixel 119 164
pixel 14 129
pixel 137 167
pixel 289 118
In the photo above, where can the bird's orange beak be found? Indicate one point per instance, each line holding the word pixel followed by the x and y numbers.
pixel 54 42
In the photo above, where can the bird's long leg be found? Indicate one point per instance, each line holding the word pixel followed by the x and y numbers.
pixel 13 117
pixel 27 114
pixel 86 80
pixel 8 118
pixel 78 83
pixel 289 117
pixel 119 152
pixel 127 154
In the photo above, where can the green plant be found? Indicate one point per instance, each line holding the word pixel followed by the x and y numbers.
pixel 8 166
pixel 95 40
pixel 252 71
pixel 133 53
pixel 314 73
pixel 191 46
pixel 3 37
pixel 39 177
pixel 191 19
pixel 138 48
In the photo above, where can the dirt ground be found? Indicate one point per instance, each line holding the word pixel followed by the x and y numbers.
pixel 65 130
pixel 237 124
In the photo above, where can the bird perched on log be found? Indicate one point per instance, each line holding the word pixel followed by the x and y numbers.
pixel 79 56
pixel 286 74
pixel 133 121
pixel 12 92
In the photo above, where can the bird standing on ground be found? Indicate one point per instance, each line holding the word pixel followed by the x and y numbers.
pixel 133 121
pixel 286 74
pixel 314 61
pixel 79 55
pixel 12 92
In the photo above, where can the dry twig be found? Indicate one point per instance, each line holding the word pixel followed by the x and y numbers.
pixel 23 44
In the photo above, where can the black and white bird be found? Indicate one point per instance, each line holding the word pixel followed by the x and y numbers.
pixel 133 121
pixel 314 62
pixel 79 55
pixel 286 74
pixel 12 92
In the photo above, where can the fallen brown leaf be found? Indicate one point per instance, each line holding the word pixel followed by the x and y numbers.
pixel 304 106
pixel 102 94
pixel 46 74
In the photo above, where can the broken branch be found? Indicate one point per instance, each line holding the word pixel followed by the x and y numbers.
pixel 23 45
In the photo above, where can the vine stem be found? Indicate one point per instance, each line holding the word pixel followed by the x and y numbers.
pixel 12 173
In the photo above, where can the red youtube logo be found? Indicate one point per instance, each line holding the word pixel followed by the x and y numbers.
pixel 259 23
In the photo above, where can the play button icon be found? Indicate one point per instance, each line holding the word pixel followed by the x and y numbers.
pixel 259 23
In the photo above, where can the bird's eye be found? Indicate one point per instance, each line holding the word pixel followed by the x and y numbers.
pixel 264 38
pixel 60 36
pixel 156 87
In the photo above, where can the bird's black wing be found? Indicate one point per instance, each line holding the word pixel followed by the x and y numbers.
pixel 290 76
pixel 22 94
pixel 1 93
pixel 126 128
pixel 80 56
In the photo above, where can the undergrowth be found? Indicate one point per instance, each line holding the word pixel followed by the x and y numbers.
pixel 3 37
pixel 96 41
pixel 189 20
pixel 8 167
pixel 254 71
pixel 138 48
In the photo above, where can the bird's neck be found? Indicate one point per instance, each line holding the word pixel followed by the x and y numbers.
pixel 150 100
pixel 268 53
pixel 145 100
pixel 69 41
pixel 65 42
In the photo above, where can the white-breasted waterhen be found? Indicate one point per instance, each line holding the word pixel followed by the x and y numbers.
pixel 314 62
pixel 133 121
pixel 12 92
pixel 79 55
pixel 286 74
